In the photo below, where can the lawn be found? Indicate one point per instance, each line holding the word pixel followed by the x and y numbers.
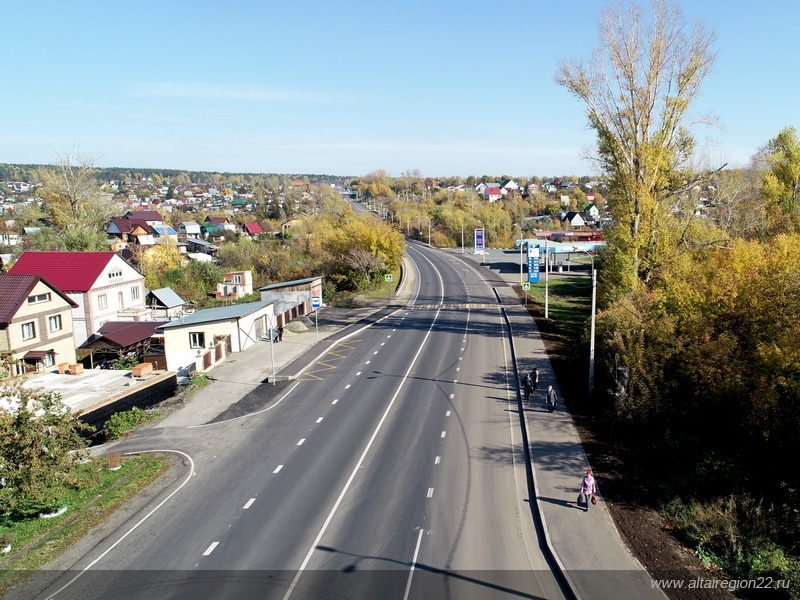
pixel 95 494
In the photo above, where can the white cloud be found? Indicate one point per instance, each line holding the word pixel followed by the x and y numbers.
pixel 217 91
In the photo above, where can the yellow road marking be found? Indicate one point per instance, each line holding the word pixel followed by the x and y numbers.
pixel 310 375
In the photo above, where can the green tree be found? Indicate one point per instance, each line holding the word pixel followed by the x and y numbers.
pixel 71 192
pixel 637 89
pixel 781 179
pixel 39 444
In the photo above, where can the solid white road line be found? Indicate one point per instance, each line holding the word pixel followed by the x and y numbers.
pixel 142 520
pixel 360 461
pixel 289 391
pixel 413 564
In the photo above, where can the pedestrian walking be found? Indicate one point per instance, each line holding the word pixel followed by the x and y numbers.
pixel 527 387
pixel 535 378
pixel 588 490
pixel 550 399
pixel 280 333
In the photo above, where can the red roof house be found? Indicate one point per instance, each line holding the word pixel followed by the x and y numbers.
pixel 104 286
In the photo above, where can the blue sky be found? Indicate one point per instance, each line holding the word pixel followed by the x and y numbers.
pixel 344 88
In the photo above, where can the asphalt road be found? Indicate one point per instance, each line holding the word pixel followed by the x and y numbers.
pixel 392 467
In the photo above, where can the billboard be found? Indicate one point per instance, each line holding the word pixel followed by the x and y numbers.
pixel 479 247
pixel 533 263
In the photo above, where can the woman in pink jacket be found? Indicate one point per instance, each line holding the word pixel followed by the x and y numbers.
pixel 588 487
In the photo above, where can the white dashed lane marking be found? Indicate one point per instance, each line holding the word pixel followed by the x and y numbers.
pixel 210 549
pixel 249 503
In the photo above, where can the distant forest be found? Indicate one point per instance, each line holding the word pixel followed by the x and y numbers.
pixel 27 172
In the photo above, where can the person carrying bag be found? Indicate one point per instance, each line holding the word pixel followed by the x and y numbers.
pixel 587 496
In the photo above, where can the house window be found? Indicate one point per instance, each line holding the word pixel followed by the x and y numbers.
pixel 237 279
pixel 135 293
pixel 37 298
pixel 54 323
pixel 28 331
pixel 197 339
pixel 102 301
pixel 115 275
pixel 120 300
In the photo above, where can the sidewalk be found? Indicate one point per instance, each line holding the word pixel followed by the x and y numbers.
pixel 243 371
pixel 587 545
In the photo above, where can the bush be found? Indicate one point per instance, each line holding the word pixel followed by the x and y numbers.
pixel 120 422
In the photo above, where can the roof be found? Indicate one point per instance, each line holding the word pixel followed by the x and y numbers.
pixel 223 313
pixel 275 286
pixel 252 228
pixel 146 215
pixel 15 289
pixel 125 333
pixel 130 225
pixel 492 190
pixel 68 271
pixel 168 297
pixel 164 230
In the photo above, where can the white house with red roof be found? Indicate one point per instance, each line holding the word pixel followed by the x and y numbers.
pixel 492 194
pixel 104 287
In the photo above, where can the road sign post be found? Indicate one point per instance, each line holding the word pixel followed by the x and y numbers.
pixel 388 278
pixel 526 286
pixel 316 304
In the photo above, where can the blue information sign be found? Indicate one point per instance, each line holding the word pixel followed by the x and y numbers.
pixel 533 264
pixel 316 301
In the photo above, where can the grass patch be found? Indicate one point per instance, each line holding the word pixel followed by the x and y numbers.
pixel 95 495
pixel 569 303
pixel 735 538
pixel 199 380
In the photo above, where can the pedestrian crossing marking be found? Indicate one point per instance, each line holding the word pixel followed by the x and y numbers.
pixel 468 305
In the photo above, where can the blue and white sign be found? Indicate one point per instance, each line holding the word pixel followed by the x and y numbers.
pixel 316 301
pixel 533 263
pixel 479 247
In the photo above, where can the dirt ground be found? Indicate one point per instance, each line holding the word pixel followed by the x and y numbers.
pixel 647 534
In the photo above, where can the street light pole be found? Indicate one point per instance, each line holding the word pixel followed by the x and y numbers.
pixel 546 280
pixel 429 231
pixel 591 331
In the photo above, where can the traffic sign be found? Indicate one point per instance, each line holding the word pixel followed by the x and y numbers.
pixel 316 301
pixel 388 277
pixel 526 285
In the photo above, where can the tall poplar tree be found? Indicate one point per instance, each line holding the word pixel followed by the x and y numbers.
pixel 637 88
